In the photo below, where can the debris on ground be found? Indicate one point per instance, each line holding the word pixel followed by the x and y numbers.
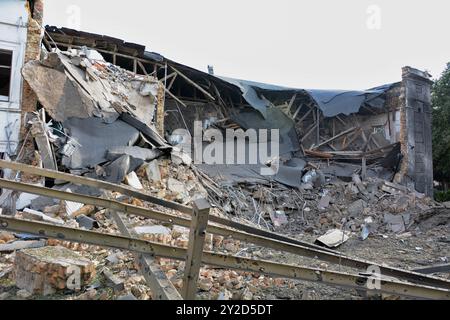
pixel 103 126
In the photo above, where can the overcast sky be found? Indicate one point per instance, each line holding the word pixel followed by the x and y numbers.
pixel 348 44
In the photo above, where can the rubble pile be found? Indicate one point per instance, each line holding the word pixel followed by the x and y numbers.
pixel 372 206
pixel 102 126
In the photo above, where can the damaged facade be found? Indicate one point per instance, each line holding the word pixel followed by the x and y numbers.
pixel 375 127
pixel 351 164
pixel 20 41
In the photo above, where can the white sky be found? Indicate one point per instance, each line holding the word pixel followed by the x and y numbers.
pixel 303 44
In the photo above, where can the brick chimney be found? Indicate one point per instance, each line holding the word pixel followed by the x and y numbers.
pixel 416 131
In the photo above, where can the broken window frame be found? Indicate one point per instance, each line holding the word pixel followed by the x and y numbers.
pixel 7 98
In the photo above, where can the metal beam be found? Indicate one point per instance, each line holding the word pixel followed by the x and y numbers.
pixel 339 279
pixel 440 268
pixel 197 235
pixel 323 255
pixel 142 196
pixel 92 183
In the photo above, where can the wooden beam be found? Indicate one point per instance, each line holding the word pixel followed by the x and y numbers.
pixel 346 132
pixel 175 97
pixel 297 112
pixel 318 127
pixel 341 121
pixel 319 154
pixel 305 116
pixel 311 130
pixel 206 93
pixel 115 54
pixel 197 235
pixel 141 65
pixel 355 136
pixel 291 103
pixel 39 134
pixel 173 74
pixel 172 82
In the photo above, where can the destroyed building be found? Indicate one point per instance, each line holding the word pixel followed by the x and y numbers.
pixel 98 121
pixel 390 124
pixel 20 41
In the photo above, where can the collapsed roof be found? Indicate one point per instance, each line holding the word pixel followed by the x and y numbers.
pixel 331 102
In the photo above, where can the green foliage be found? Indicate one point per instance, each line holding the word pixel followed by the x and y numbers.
pixel 441 126
pixel 442 196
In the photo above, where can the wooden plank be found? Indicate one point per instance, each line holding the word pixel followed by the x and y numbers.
pixel 349 142
pixel 319 154
pixel 382 149
pixel 174 97
pixel 297 112
pixel 173 74
pixel 141 65
pixel 366 145
pixel 318 127
pixel 305 116
pixel 291 103
pixel 341 121
pixel 310 130
pixel 172 82
pixel 347 153
pixel 45 149
pixel 206 93
pixel 335 137
pixel 162 288
pixel 197 235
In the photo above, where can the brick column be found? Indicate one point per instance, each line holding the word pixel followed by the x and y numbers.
pixel 32 52
pixel 416 132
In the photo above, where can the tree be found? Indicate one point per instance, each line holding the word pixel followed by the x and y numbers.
pixel 441 127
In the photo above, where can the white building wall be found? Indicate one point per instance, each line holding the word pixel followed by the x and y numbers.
pixel 13 37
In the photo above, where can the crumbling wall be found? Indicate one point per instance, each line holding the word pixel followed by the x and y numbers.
pixel 415 134
pixel 32 52
pixel 393 104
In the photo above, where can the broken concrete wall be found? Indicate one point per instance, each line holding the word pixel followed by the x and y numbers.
pixel 32 52
pixel 393 105
pixel 416 131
